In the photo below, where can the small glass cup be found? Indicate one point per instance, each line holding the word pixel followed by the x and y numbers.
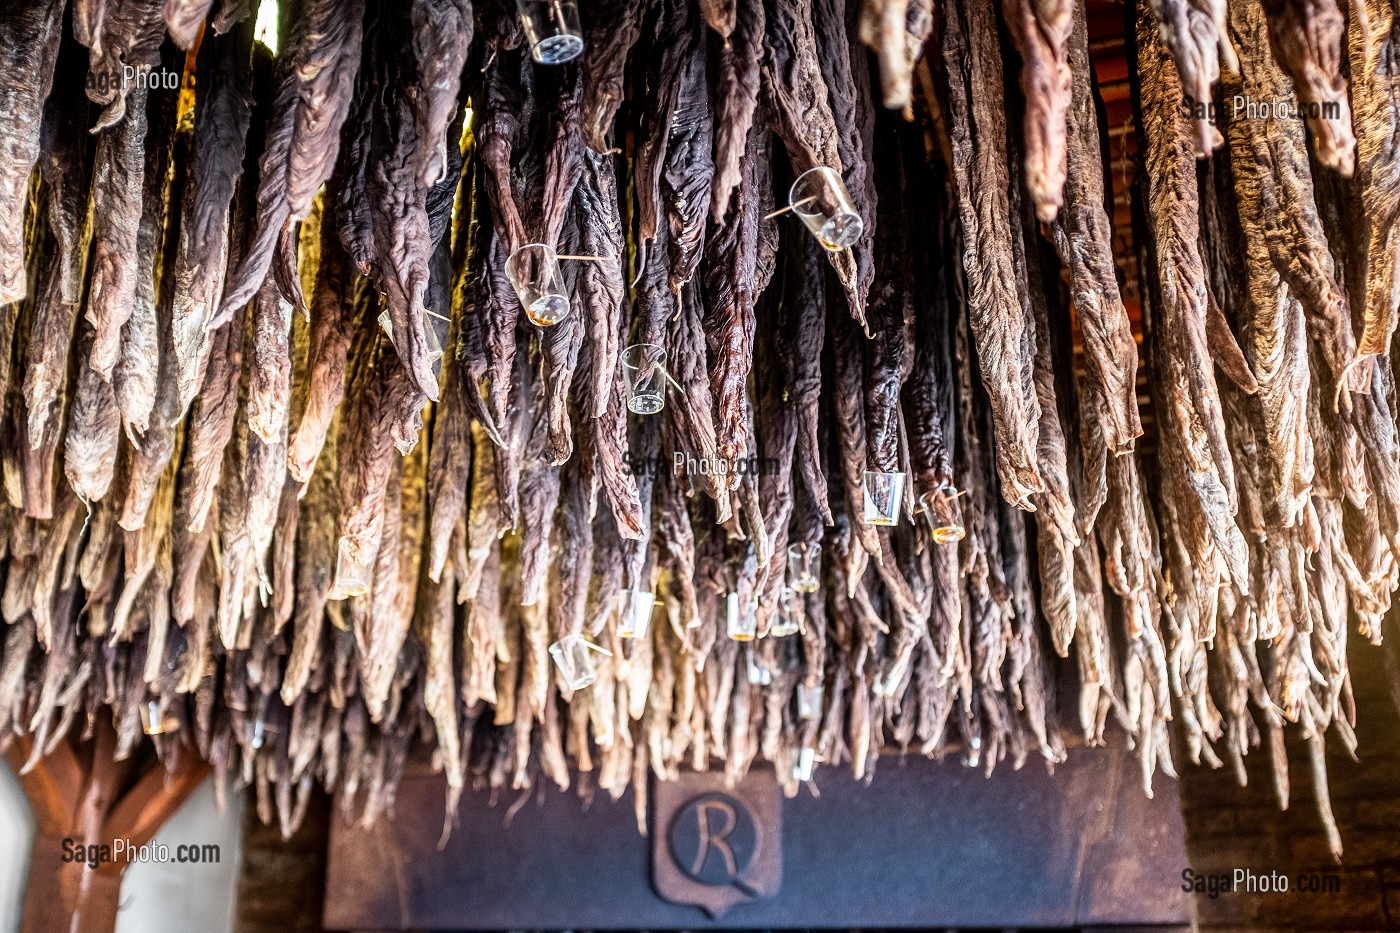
pixel 974 751
pixel 884 494
pixel 804 566
pixel 156 719
pixel 888 681
pixel 809 701
pixel 786 622
pixel 634 613
pixel 644 371
pixel 571 656
pixel 533 270
pixel 429 334
pixel 353 570
pixel 945 514
pixel 552 29
pixel 742 626
pixel 820 198
pixel 759 676
pixel 802 768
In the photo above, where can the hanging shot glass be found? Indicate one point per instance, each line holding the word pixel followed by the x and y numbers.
pixel 571 655
pixel 644 372
pixel 156 720
pixel 634 613
pixel 892 675
pixel 809 701
pixel 742 622
pixel 429 335
pixel 804 566
pixel 353 570
pixel 820 198
pixel 786 622
pixel 759 675
pixel 431 341
pixel 944 513
pixel 533 270
pixel 884 495
pixel 802 767
pixel 552 29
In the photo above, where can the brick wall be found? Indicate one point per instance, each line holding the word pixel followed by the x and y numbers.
pixel 1230 827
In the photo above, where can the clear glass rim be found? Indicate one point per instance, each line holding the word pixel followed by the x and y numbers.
pixel 572 42
pixel 567 641
pixel 634 598
pixel 824 171
pixel 525 248
pixel 628 353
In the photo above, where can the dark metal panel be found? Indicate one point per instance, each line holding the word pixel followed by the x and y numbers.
pixel 926 844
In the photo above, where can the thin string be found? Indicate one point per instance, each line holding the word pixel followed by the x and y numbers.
pixel 783 210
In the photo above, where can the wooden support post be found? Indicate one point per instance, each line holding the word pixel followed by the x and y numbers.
pixel 80 792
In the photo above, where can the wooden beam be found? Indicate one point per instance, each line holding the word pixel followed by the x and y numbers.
pixel 98 901
pixel 51 786
pixel 156 796
pixel 92 801
pixel 52 893
pixel 104 780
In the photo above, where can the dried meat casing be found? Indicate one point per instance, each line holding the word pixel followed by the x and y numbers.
pixel 613 29
pixel 799 107
pixel 1375 100
pixel 223 109
pixel 332 318
pixel 66 167
pixel 896 30
pixel 442 34
pixel 721 15
pixel 732 257
pixel 316 81
pixel 29 39
pixel 1083 235
pixel 1041 31
pixel 125 39
pixel 1002 332
pixel 736 98
pixel 118 181
pixel 1193 421
pixel 1273 189
pixel 184 18
pixel 1306 36
pixel 1193 32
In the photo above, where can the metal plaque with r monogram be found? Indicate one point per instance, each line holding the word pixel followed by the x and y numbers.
pixel 715 846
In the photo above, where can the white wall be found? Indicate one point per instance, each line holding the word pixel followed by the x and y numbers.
pixel 180 898
pixel 16 839
pixel 174 898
